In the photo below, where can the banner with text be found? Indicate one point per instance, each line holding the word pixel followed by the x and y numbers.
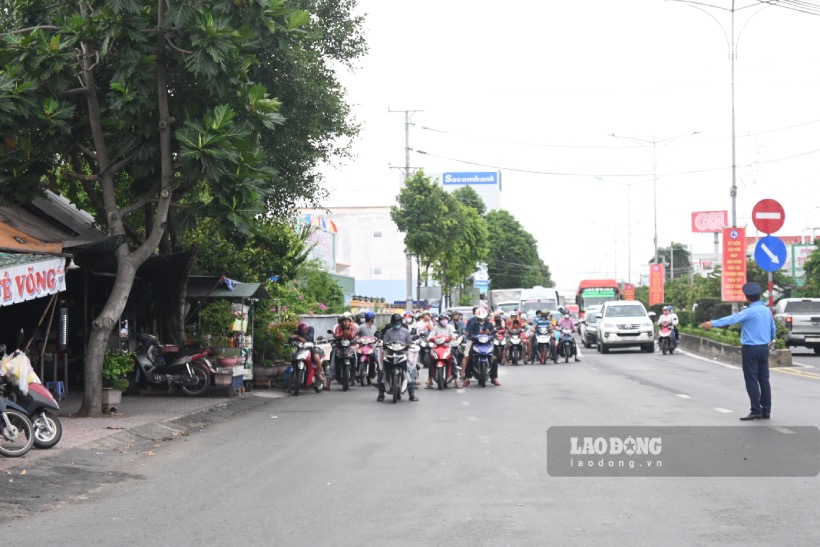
pixel 28 281
pixel 629 291
pixel 734 265
pixel 657 276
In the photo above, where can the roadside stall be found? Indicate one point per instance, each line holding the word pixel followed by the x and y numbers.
pixel 234 367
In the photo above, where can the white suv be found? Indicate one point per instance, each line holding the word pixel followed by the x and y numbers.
pixel 624 323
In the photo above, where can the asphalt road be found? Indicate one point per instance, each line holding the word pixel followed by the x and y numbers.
pixel 460 467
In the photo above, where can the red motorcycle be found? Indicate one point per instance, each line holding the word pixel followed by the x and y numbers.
pixel 441 359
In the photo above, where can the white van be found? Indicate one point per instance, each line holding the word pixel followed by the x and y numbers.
pixel 538 298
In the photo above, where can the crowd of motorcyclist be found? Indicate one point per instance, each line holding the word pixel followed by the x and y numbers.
pixel 414 328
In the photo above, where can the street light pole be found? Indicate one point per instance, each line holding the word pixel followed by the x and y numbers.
pixel 628 221
pixel 732 45
pixel 654 142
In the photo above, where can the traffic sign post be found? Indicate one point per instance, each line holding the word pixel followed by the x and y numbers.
pixel 768 216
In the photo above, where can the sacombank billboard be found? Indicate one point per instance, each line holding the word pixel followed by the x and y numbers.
pixel 462 179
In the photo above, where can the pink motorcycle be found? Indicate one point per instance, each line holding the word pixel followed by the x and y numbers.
pixel 367 359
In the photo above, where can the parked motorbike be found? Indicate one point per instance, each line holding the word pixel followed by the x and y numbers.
pixel 515 346
pixel 566 344
pixel 394 366
pixel 543 341
pixel 482 354
pixel 366 359
pixel 37 403
pixel 344 355
pixel 441 359
pixel 191 371
pixel 302 374
pixel 499 343
pixel 16 430
pixel 665 342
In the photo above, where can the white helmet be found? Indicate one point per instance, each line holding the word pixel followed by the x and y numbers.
pixel 481 314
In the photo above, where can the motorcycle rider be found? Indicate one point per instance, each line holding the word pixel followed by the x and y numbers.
pixel 500 328
pixel 397 332
pixel 368 328
pixel 542 319
pixel 567 322
pixel 305 333
pixel 344 330
pixel 443 326
pixel 481 325
pixel 668 316
pixel 515 324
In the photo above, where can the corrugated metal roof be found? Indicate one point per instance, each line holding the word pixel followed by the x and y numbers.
pixel 8 260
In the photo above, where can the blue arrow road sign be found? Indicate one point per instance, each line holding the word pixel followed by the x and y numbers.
pixel 770 253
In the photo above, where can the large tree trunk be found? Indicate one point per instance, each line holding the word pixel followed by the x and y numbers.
pixel 127 261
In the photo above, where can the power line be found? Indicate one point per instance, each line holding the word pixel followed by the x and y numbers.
pixel 795 5
pixel 585 147
pixel 593 175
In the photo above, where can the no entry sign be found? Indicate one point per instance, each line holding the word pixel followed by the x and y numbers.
pixel 768 216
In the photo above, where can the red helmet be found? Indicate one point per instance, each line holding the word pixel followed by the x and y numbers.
pixel 303 327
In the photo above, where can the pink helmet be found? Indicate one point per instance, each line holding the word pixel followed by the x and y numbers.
pixel 303 327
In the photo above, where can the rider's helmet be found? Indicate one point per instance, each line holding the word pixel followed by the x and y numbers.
pixel 395 321
pixel 481 314
pixel 360 318
pixel 346 316
pixel 407 318
pixel 418 316
pixel 537 314
pixel 667 309
pixel 443 320
pixel 302 328
pixel 369 316
pixel 566 314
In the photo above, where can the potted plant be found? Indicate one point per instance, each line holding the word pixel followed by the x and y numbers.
pixel 116 365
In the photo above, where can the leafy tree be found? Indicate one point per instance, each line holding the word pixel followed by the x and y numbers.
pixel 166 105
pixel 470 198
pixel 513 259
pixel 811 274
pixel 424 215
pixel 463 247
pixel 681 265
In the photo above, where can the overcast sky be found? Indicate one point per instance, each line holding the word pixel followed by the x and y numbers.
pixel 537 88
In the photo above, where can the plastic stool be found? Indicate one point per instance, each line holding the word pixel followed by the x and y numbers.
pixel 57 388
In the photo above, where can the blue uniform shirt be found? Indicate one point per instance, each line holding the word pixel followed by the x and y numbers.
pixel 757 324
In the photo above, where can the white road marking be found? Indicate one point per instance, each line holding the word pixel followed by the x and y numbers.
pixel 801 365
pixel 465 403
pixel 459 390
pixel 683 395
pixel 724 410
pixel 484 439
pixel 472 418
pixel 783 430
pixel 714 362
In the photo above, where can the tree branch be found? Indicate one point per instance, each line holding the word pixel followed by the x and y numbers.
pixel 170 43
pixel 30 29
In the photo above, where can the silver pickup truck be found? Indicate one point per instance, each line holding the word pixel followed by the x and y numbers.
pixel 802 317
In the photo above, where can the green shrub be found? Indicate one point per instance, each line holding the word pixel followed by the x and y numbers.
pixel 711 308
pixel 116 365
pixel 685 318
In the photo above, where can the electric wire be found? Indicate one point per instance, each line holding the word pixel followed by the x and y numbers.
pixel 801 6
pixel 613 147
pixel 593 175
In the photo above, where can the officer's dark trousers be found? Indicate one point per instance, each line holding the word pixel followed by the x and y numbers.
pixel 756 374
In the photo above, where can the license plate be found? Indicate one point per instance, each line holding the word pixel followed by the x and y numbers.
pixel 813 340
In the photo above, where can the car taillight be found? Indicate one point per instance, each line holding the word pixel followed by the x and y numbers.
pixel 789 322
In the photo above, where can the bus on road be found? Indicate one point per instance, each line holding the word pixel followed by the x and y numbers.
pixel 594 292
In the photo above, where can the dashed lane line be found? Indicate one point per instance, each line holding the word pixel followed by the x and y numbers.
pixel 682 395
pixel 723 410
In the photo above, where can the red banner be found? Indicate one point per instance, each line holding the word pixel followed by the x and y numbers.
pixel 629 291
pixel 734 265
pixel 657 276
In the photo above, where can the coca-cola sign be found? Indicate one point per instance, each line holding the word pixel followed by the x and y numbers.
pixel 709 221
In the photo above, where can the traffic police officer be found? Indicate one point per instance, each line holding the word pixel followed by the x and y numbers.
pixel 757 332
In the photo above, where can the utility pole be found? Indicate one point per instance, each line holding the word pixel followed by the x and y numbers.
pixel 408 256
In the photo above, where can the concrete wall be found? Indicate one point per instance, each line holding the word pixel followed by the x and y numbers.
pixel 729 354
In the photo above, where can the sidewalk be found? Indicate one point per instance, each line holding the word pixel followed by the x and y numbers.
pixel 136 411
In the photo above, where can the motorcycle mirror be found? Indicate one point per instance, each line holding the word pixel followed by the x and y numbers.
pixel 330 332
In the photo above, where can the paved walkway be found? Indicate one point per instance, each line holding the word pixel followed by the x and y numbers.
pixel 135 411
